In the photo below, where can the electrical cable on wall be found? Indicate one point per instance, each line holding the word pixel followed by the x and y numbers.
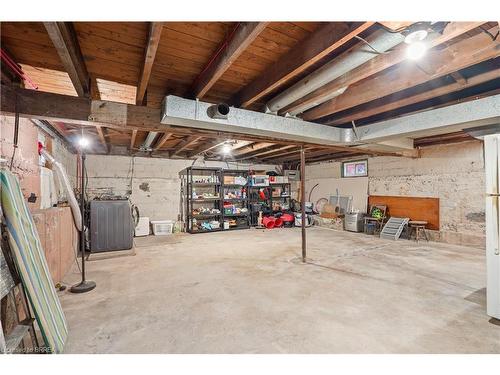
pixel 16 133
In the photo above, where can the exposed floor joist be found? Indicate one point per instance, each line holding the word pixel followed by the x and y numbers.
pixel 65 41
pixel 181 146
pixel 416 98
pixel 164 138
pixel 377 65
pixel 241 37
pixel 102 137
pixel 154 35
pixel 439 63
pixel 132 139
pixel 207 146
pixel 304 55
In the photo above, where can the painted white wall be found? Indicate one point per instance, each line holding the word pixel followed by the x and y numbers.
pixel 152 183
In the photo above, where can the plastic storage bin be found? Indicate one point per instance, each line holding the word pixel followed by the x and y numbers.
pixel 142 228
pixel 162 227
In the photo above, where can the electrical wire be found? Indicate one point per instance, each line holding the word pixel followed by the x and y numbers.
pixel 373 48
pixel 16 133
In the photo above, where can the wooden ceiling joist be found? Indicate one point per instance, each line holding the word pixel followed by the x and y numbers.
pixel 260 154
pixel 416 98
pixel 378 64
pixel 132 139
pixel 102 138
pixel 298 59
pixel 164 138
pixel 251 148
pixel 65 41
pixel 458 56
pixel 241 37
pixel 185 144
pixel 207 146
pixel 154 35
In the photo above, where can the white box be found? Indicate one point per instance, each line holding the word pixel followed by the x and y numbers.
pixel 142 228
pixel 162 227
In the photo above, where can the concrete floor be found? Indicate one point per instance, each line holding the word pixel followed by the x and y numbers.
pixel 245 292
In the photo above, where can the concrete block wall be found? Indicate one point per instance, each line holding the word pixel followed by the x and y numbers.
pixel 153 184
pixel 453 173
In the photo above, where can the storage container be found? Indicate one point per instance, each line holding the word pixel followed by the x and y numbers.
pixel 162 227
pixel 142 228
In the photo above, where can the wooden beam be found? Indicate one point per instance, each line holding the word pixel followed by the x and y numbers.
pixel 95 94
pixel 164 138
pixel 241 37
pixel 377 65
pixel 416 98
pixel 102 137
pixel 153 41
pixel 207 146
pixel 273 151
pixel 457 56
pixel 305 54
pixel 81 111
pixel 285 153
pixel 252 148
pixel 184 144
pixel 459 78
pixel 132 139
pixel 65 41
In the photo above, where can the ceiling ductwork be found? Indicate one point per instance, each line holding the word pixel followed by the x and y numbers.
pixel 194 114
pixel 218 111
pixel 380 42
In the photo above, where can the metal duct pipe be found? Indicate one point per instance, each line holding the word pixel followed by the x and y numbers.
pixel 380 42
pixel 75 209
pixel 146 146
pixel 218 111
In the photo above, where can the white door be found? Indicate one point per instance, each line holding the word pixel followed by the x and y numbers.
pixel 492 169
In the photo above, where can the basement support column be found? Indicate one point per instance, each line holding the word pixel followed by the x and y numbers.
pixel 303 200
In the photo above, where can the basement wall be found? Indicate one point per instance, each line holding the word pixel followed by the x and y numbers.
pixel 152 183
pixel 57 232
pixel 453 173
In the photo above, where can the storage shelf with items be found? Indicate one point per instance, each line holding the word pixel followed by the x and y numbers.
pixel 235 214
pixel 201 205
pixel 268 195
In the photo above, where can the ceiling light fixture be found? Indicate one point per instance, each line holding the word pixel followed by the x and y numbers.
pixel 83 142
pixel 416 48
pixel 226 148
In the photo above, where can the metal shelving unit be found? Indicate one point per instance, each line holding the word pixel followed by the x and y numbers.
pixel 270 202
pixel 192 190
pixel 235 197
pixel 195 183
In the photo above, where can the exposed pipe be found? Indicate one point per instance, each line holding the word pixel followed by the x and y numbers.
pixel 15 68
pixel 380 41
pixel 146 146
pixel 77 216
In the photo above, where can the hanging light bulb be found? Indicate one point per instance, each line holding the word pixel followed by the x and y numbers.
pixel 416 50
pixel 226 148
pixel 416 45
pixel 83 142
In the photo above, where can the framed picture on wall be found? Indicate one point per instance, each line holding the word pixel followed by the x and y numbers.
pixel 357 168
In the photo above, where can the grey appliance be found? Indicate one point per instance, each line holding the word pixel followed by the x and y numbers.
pixel 353 222
pixel 111 226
